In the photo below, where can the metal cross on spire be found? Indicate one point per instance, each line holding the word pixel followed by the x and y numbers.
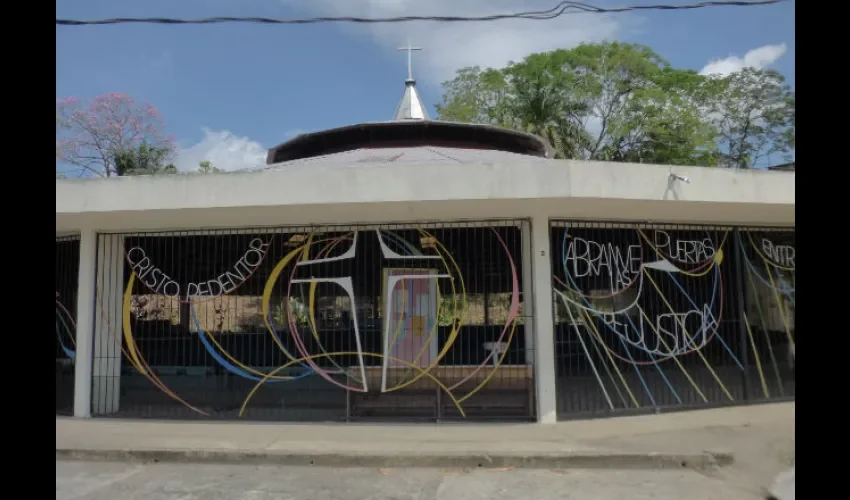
pixel 410 107
pixel 409 50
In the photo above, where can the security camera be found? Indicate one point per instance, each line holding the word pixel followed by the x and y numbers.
pixel 682 178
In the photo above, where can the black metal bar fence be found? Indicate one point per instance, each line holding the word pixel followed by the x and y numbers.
pixel 67 270
pixel 655 317
pixel 412 321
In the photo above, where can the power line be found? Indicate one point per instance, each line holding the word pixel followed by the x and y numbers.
pixel 561 9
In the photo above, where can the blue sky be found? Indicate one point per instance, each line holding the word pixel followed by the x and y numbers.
pixel 229 92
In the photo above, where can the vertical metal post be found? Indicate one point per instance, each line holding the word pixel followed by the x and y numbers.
pixel 528 294
pixel 347 399
pixel 528 314
pixel 439 405
pixel 486 290
pixel 741 307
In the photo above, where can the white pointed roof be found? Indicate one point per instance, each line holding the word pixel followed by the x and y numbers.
pixel 410 107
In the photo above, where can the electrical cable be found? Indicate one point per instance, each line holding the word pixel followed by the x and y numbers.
pixel 561 9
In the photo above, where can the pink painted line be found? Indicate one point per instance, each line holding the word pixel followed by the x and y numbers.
pixel 513 312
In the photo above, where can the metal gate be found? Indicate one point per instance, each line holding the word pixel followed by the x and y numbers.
pixel 313 323
pixel 654 317
pixel 67 277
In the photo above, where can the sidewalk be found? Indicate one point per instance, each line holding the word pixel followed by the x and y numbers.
pixel 689 439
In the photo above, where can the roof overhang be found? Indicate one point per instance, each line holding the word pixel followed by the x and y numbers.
pixel 409 133
pixel 385 192
pixel 785 167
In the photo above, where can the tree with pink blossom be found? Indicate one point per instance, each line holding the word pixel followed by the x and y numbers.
pixel 98 137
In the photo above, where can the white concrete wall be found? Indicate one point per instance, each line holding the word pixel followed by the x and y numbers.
pixel 366 193
pixel 86 285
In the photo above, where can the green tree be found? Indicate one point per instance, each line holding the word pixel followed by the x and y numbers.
pixel 541 102
pixel 476 96
pixel 754 114
pixel 616 83
pixel 206 167
pixel 789 142
pixel 143 160
pixel 524 97
pixel 608 101
pixel 665 123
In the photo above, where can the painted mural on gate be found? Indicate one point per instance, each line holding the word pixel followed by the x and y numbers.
pixel 656 313
pixel 413 273
pixel 65 329
pixel 66 281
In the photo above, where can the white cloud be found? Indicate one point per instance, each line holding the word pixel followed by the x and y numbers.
pixel 758 58
pixel 450 46
pixel 224 150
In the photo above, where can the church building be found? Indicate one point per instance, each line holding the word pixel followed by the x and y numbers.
pixel 423 269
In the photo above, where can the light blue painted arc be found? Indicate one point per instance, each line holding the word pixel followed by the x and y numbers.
pixel 634 365
pixel 401 241
pixel 637 370
pixel 68 352
pixel 717 334
pixel 226 364
pixel 657 366
pixel 587 352
pixel 290 356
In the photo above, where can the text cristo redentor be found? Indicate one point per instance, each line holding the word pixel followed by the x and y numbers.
pixel 160 282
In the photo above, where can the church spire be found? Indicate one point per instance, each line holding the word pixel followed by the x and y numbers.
pixel 410 107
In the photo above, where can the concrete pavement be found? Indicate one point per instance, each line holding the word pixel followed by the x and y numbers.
pixel 653 441
pixel 135 481
pixel 784 486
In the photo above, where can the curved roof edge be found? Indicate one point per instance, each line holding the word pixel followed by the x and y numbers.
pixel 409 133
